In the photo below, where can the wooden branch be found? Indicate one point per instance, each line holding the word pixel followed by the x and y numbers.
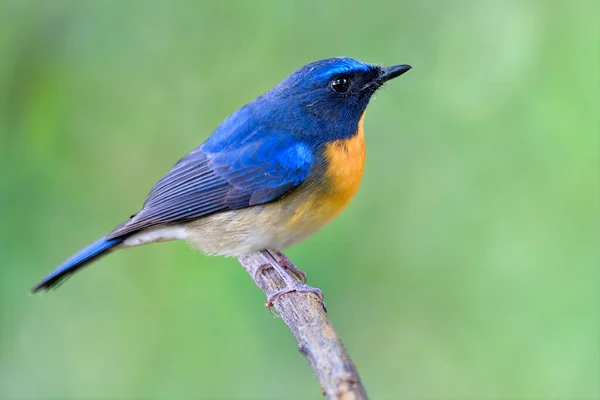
pixel 317 339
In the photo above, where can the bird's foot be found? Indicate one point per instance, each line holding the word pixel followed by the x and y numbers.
pixel 295 287
pixel 289 265
pixel 285 262
pixel 294 278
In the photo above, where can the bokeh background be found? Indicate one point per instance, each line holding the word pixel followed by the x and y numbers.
pixel 467 267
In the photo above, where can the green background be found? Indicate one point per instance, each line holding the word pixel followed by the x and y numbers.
pixel 467 266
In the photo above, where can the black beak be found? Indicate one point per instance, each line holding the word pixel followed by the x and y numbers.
pixel 392 72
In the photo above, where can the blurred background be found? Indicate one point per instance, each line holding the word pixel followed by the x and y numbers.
pixel 467 267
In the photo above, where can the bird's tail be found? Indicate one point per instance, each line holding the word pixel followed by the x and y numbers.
pixel 97 249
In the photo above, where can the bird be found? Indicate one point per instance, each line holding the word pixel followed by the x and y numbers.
pixel 273 173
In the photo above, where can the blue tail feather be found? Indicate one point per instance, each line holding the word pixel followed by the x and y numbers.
pixel 79 260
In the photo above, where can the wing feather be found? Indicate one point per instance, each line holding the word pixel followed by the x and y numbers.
pixel 203 182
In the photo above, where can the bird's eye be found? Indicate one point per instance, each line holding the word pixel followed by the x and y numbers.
pixel 340 85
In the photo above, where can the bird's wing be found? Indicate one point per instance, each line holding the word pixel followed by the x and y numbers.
pixel 205 182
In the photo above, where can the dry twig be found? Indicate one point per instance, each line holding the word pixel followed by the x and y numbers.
pixel 317 339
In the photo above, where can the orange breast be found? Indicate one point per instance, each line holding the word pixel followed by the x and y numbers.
pixel 345 165
pixel 346 162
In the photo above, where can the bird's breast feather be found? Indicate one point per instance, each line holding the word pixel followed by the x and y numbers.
pixel 329 194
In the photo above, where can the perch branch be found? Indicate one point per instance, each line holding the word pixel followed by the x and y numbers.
pixel 317 339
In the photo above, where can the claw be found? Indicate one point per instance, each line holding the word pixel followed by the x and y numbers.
pixel 285 262
pixel 261 269
pixel 294 278
pixel 269 306
pixel 300 288
pixel 289 265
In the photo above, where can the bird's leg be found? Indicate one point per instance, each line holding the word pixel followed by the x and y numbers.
pixel 292 285
pixel 287 263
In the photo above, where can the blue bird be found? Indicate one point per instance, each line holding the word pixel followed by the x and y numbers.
pixel 273 173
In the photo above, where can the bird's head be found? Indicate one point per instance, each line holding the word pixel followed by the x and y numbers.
pixel 330 94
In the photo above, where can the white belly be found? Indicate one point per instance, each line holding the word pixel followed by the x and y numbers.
pixel 274 226
pixel 234 233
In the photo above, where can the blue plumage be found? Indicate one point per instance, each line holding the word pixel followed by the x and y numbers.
pixel 259 155
pixel 79 260
pixel 226 178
